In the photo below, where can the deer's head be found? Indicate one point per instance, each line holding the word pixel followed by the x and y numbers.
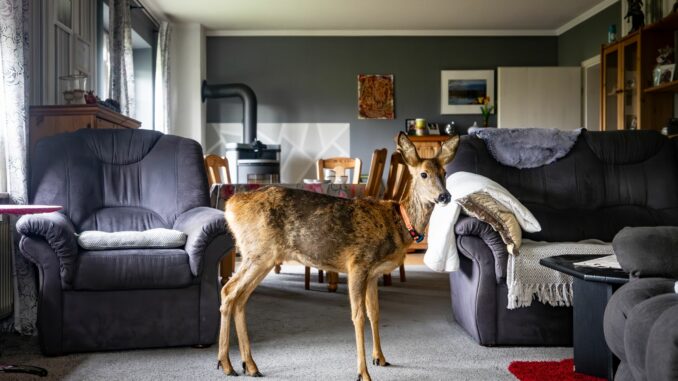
pixel 428 175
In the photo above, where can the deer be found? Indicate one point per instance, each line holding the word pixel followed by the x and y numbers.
pixel 362 237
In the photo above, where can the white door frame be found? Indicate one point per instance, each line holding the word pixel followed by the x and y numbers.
pixel 585 65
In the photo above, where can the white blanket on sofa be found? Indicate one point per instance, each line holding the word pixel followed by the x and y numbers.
pixel 441 254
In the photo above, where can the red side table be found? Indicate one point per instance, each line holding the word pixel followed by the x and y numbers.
pixel 19 210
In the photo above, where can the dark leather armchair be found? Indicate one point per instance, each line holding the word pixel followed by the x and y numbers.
pixel 115 180
pixel 608 180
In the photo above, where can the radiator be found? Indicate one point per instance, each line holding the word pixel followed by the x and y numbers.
pixel 6 289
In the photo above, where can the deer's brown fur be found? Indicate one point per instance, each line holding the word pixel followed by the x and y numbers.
pixel 361 237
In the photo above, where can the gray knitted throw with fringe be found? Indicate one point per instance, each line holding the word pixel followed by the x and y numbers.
pixel 528 280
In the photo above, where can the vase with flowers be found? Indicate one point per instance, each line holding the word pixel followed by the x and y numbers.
pixel 486 108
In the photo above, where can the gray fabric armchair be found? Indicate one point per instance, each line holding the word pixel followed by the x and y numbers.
pixel 115 180
pixel 641 319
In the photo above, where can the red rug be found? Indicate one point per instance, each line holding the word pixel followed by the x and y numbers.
pixel 548 371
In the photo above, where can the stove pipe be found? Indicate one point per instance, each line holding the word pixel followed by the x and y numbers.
pixel 249 105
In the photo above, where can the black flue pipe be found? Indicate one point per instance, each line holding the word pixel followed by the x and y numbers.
pixel 249 104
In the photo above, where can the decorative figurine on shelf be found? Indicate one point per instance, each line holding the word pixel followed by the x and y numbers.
pixel 663 71
pixel 635 13
pixel 90 98
pixel 665 56
pixel 486 109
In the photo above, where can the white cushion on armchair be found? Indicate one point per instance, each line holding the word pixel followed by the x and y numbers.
pixel 153 238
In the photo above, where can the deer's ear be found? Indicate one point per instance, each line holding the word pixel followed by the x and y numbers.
pixel 448 150
pixel 407 150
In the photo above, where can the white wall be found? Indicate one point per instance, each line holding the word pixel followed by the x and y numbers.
pixel 187 70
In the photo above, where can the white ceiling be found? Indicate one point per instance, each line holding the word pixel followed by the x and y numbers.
pixel 379 16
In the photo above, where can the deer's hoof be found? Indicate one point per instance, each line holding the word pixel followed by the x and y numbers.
pixel 228 373
pixel 378 362
pixel 255 374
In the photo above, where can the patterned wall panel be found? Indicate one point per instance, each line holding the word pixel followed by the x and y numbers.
pixel 302 144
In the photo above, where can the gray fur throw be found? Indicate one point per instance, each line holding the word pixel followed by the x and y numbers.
pixel 526 147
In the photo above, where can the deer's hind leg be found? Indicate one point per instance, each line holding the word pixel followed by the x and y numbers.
pixel 357 287
pixel 372 304
pixel 226 309
pixel 256 274
pixel 243 283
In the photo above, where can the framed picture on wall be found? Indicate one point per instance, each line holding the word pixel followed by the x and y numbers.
pixel 375 96
pixel 463 91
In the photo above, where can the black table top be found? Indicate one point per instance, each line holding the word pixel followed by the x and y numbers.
pixel 565 264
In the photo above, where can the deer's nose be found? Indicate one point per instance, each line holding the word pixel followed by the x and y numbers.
pixel 444 197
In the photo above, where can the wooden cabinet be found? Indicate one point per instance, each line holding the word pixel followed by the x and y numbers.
pixel 51 120
pixel 629 98
pixel 428 146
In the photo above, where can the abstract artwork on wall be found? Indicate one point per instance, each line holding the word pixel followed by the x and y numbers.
pixel 375 96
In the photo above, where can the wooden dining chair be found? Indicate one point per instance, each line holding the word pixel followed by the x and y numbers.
pixel 376 172
pixel 216 168
pixel 215 165
pixel 397 184
pixel 339 165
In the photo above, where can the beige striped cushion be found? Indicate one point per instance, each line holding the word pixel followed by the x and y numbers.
pixel 485 208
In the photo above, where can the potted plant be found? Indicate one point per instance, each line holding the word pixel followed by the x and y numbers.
pixel 486 109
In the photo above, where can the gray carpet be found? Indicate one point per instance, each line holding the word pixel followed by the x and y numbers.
pixel 308 335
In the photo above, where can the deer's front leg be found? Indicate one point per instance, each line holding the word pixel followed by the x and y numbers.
pixel 357 288
pixel 372 302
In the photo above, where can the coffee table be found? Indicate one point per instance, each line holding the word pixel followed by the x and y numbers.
pixel 592 289
pixel 19 210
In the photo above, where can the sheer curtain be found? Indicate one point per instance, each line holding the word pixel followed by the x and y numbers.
pixel 162 72
pixel 122 64
pixel 14 68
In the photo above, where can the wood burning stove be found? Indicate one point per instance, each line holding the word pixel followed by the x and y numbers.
pixel 250 161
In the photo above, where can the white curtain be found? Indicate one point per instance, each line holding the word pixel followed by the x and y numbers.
pixel 162 73
pixel 122 64
pixel 14 68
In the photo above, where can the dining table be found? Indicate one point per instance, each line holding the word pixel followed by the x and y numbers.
pixel 220 193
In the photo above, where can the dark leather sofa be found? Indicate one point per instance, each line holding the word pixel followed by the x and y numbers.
pixel 114 180
pixel 608 180
pixel 641 319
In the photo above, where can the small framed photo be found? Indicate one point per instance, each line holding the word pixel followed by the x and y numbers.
pixel 433 129
pixel 665 74
pixel 410 126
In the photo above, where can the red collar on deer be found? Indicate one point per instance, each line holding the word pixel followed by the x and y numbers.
pixel 406 219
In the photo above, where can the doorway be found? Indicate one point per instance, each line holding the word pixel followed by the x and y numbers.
pixel 591 93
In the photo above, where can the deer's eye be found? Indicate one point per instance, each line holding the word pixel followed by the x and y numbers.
pixel 424 175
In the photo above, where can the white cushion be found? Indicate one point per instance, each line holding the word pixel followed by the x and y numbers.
pixel 154 238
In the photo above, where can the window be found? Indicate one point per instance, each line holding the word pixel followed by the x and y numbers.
pixel 144 40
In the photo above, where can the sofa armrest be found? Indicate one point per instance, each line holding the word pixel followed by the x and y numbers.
pixel 58 231
pixel 469 226
pixel 202 225
pixel 648 251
